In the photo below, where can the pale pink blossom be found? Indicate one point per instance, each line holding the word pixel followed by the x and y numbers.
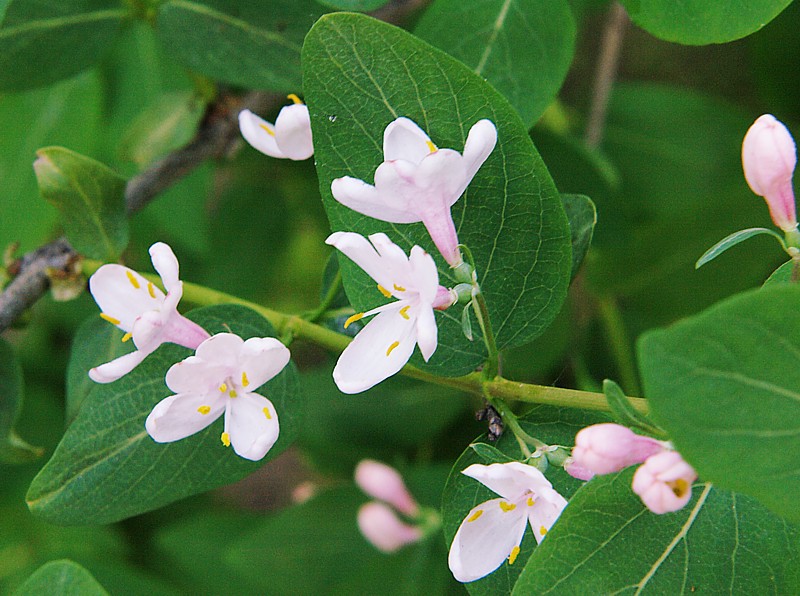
pixel 664 482
pixel 381 526
pixel 385 484
pixel 288 138
pixel 607 448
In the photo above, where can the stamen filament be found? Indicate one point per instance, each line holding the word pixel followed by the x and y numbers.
pixel 108 318
pixel 513 556
pixel 151 290
pixel 294 98
pixel 386 293
pixel 356 317
pixel 126 337
pixel 133 280
pixel 268 129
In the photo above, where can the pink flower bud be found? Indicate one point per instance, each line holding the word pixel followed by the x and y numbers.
pixel 383 529
pixel 608 448
pixel 445 298
pixel 664 482
pixel 768 158
pixel 385 483
pixel 576 470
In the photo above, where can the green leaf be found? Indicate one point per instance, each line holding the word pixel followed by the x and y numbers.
pixel 582 217
pixel 553 426
pixel 607 542
pixel 238 41
pixel 61 578
pixel 12 448
pixel 724 385
pixel 524 48
pixel 732 240
pixel 90 198
pixel 699 22
pixel 490 454
pixel 510 217
pixel 354 5
pixel 782 274
pixel 107 468
pixel 48 40
pixel 625 413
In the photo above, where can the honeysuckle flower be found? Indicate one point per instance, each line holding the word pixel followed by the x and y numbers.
pixel 608 448
pixel 769 157
pixel 386 343
pixel 142 311
pixel 289 137
pixel 664 482
pixel 383 529
pixel 492 531
pixel 418 182
pixel 220 379
pixel 386 484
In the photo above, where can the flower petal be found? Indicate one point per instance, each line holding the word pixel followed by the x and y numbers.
pixel 425 274
pixel 293 132
pixel 261 358
pixel 544 513
pixel 379 350
pixel 480 143
pixel 222 349
pixel 165 263
pixel 359 250
pixel 403 139
pixel 119 367
pixel 179 416
pixel 427 332
pixel 259 133
pixel 486 538
pixel 380 525
pixel 365 198
pixel 195 375
pixel 253 426
pixel 123 294
pixel 509 480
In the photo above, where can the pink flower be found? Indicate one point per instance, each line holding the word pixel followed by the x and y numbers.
pixel 664 482
pixel 288 138
pixel 385 484
pixel 608 448
pixel 769 157
pixel 383 529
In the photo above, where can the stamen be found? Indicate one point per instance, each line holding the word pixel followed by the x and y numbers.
pixel 126 337
pixel 111 320
pixel 204 410
pixel 531 502
pixel 431 147
pixel 392 347
pixel 513 556
pixel 679 487
pixel 399 288
pixel 151 290
pixel 223 388
pixel 294 98
pixel 404 312
pixel 356 317
pixel 245 380
pixel 542 530
pixel 226 439
pixel 232 393
pixel 267 414
pixel 475 515
pixel 268 129
pixel 506 507
pixel 386 293
pixel 133 280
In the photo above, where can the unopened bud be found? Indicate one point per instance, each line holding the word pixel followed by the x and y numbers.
pixel 383 529
pixel 664 482
pixel 607 448
pixel 385 483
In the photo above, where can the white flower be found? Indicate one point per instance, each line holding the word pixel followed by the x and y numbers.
pixel 289 137
pixel 387 341
pixel 139 308
pixel 418 182
pixel 220 378
pixel 493 531
pixel 382 528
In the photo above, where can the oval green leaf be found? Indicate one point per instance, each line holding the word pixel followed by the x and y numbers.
pixel 61 578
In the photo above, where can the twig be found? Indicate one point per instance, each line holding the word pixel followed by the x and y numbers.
pixel 606 72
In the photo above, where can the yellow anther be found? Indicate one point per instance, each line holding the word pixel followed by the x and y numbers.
pixel 267 414
pixel 111 320
pixel 204 410
pixel 506 507
pixel 399 288
pixel 232 393
pixel 132 279
pixel 531 502
pixel 542 530
pixel 356 317
pixel 475 515
pixel 392 347
pixel 267 129
pixel 513 556
pixel 223 388
pixel 679 487
pixel 384 291
pixel 151 290
pixel 404 312
pixel 245 380
pixel 431 147
pixel 294 98
pixel 226 439
pixel 126 337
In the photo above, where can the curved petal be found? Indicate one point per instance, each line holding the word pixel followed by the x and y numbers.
pixel 222 349
pixel 259 133
pixel 544 513
pixel 425 274
pixel 510 480
pixel 442 231
pixel 123 294
pixel 147 330
pixel 119 367
pixel 380 525
pixel 195 375
pixel 366 199
pixel 253 426
pixel 440 178
pixel 486 538
pixel 293 132
pixel 403 139
pixel 480 143
pixel 361 251
pixel 261 358
pixel 427 332
pixel 179 416
pixel 165 263
pixel 177 329
pixel 379 350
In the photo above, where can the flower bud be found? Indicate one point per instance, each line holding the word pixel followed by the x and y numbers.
pixel 769 157
pixel 608 448
pixel 445 298
pixel 577 471
pixel 383 529
pixel 664 482
pixel 385 483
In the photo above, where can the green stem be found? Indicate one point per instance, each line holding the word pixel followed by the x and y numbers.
pixel 620 343
pixel 316 314
pixel 492 365
pixel 474 383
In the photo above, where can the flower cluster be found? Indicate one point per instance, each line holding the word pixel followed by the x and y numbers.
pixel 663 481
